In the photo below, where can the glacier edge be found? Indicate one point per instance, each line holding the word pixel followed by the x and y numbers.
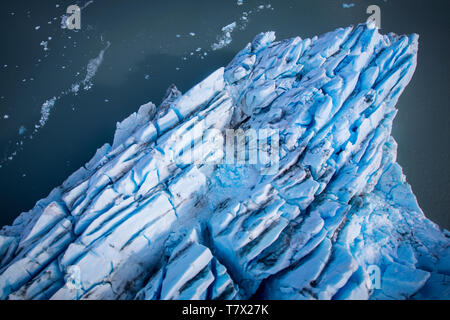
pixel 137 224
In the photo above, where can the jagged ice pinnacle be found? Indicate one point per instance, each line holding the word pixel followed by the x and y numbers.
pixel 134 223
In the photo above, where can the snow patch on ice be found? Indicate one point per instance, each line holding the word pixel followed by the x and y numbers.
pixel 65 16
pixel 22 130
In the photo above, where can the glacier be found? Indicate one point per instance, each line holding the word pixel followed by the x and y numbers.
pixel 137 224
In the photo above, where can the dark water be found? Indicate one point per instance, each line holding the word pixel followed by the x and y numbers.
pixel 142 61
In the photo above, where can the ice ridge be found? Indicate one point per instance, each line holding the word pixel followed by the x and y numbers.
pixel 335 220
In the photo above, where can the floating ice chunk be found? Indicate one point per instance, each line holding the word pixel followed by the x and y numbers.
pixel 201 94
pixel 93 66
pixel 225 39
pixel 45 110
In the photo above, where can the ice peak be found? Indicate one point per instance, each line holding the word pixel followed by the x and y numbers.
pixel 330 216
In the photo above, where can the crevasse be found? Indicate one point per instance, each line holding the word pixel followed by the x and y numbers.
pixel 139 225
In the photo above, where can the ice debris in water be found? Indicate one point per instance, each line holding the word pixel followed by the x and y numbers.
pixel 45 111
pixel 336 221
pixel 93 66
pixel 45 45
pixel 225 39
pixel 22 130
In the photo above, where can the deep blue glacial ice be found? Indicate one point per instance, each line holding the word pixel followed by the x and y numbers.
pixel 135 223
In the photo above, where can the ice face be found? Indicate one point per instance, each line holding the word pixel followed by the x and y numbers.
pixel 335 220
